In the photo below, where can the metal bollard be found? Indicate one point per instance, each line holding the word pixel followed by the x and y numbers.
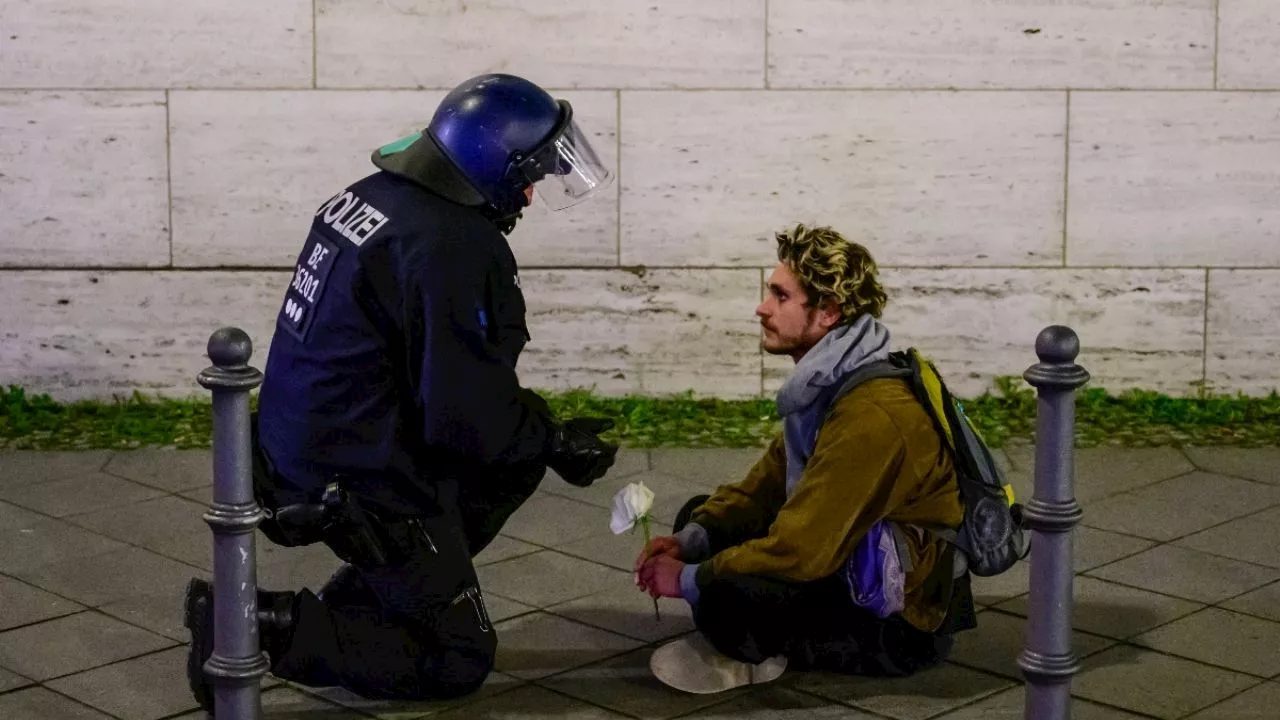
pixel 237 664
pixel 1047 661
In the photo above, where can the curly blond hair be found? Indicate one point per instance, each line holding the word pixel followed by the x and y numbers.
pixel 831 268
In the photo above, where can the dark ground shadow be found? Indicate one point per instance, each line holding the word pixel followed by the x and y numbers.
pixel 1098 627
pixel 983 662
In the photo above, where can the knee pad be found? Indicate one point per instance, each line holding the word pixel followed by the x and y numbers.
pixel 454 672
pixel 464 646
pixel 686 511
pixel 464 674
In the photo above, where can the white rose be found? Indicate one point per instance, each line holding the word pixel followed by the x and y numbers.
pixel 629 505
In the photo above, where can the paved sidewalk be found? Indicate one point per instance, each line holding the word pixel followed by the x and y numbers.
pixel 1177 598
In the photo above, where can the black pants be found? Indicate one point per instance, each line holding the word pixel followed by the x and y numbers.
pixel 415 628
pixel 815 625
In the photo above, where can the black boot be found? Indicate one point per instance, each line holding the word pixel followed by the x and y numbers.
pixel 275 628
pixel 198 618
pixel 277 616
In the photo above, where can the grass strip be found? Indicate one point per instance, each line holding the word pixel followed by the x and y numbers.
pixel 1135 418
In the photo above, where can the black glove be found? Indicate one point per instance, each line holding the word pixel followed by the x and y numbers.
pixel 535 402
pixel 577 454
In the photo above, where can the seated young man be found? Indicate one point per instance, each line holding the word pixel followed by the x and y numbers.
pixel 765 562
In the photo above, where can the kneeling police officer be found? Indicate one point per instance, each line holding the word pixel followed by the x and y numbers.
pixel 391 423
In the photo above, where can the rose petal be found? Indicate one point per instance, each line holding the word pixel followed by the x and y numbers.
pixel 622 519
pixel 639 499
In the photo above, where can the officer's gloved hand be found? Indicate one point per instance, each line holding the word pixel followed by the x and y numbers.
pixel 576 452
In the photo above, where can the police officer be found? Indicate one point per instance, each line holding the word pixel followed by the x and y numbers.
pixel 391 423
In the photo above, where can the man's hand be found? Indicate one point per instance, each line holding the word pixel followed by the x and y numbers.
pixel 577 454
pixel 666 546
pixel 660 576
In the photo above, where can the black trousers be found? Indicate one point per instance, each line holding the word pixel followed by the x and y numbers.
pixel 415 628
pixel 816 625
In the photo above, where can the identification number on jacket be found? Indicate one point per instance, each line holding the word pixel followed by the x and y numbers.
pixel 307 286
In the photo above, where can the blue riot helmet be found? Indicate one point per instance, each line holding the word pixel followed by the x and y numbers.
pixel 491 138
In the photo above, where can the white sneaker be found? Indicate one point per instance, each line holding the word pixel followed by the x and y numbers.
pixel 693 665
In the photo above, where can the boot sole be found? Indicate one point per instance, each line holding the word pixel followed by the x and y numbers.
pixel 690 664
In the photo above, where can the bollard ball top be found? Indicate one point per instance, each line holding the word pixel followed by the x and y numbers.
pixel 230 347
pixel 1057 371
pixel 1057 344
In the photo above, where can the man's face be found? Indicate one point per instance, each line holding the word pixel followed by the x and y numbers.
pixel 789 326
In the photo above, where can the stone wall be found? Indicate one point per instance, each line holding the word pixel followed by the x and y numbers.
pixel 1109 164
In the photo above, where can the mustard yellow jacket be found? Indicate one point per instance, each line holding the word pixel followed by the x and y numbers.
pixel 877 456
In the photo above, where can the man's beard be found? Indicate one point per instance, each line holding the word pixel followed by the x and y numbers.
pixel 778 347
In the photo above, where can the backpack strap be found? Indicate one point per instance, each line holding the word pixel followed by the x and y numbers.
pixel 900 365
pixel 953 539
pixel 900 542
pixel 870 371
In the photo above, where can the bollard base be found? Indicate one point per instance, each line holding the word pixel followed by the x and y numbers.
pixel 237 700
pixel 1048 702
pixel 236 685
pixel 217 675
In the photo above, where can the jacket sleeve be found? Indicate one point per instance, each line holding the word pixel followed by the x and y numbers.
pixel 744 509
pixel 850 483
pixel 471 402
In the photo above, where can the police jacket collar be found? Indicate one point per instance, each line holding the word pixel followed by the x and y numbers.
pixel 419 159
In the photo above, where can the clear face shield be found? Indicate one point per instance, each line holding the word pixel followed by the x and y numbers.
pixel 566 170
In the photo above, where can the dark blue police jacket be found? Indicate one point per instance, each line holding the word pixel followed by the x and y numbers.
pixel 393 363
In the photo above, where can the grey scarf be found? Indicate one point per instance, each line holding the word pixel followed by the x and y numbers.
pixel 802 400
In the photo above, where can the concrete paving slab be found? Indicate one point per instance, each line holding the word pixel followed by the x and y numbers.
pixel 625 685
pixel 1105 471
pixel 164 468
pixel 143 688
pixel 111 576
pixel 1263 602
pixel 1010 705
pixel 77 494
pixel 1256 703
pixel 38 703
pixel 1223 638
pixel 926 694
pixel 1155 684
pixel 623 610
pixel 1187 574
pixel 1114 611
pixel 1261 464
pixel 29 541
pixel 619 551
pixel 23 604
pixel 1180 506
pixel 529 703
pixel 12 681
pixel 74 643
pixel 495 684
pixel 31 467
pixel 539 645
pixel 549 578
pixel 995 646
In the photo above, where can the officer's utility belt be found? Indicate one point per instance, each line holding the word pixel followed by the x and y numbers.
pixel 356 534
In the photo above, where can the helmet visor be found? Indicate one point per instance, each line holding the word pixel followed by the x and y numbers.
pixel 567 170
